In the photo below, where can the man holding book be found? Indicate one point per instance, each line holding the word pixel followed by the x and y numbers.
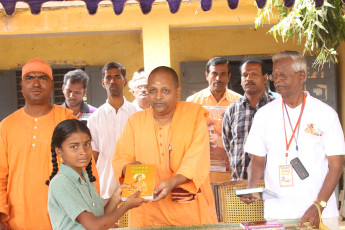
pixel 176 141
pixel 299 142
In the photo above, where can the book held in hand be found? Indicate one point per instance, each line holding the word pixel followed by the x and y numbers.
pixel 256 193
pixel 265 224
pixel 140 178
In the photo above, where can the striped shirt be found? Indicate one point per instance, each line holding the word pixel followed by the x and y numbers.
pixel 237 121
pixel 85 111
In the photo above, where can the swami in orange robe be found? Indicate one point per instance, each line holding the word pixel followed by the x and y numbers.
pixel 182 147
pixel 25 165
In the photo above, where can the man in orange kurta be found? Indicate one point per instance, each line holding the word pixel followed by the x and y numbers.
pixel 25 156
pixel 174 136
pixel 217 94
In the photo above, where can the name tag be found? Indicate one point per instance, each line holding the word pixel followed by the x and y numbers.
pixel 285 176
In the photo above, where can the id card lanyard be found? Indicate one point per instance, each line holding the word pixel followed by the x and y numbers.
pixel 293 136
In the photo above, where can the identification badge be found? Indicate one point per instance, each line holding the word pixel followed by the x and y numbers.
pixel 285 176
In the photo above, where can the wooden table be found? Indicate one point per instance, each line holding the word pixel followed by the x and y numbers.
pixel 293 225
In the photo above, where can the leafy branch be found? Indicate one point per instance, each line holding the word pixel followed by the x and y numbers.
pixel 320 29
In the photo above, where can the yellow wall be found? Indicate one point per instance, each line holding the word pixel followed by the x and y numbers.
pixel 71 36
pixel 77 50
pixel 203 44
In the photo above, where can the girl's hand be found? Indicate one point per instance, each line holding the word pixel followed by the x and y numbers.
pixel 116 197
pixel 134 201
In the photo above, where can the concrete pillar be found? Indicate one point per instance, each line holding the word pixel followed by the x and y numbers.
pixel 156 45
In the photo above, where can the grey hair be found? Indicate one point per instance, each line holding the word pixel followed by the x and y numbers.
pixel 137 76
pixel 299 62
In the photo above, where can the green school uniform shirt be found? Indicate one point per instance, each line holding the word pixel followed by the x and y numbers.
pixel 68 196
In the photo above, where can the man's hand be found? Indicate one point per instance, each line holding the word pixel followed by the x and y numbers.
pixel 134 201
pixel 132 163
pixel 311 216
pixel 167 185
pixel 3 227
pixel 163 190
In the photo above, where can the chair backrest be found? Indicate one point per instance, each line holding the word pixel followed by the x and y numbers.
pixel 231 209
pixel 123 221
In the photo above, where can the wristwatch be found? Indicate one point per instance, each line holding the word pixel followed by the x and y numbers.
pixel 322 203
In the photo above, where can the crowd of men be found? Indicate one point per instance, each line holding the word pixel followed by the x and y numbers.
pixel 261 135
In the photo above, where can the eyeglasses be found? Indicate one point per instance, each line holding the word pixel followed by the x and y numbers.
pixel 284 76
pixel 141 87
pixel 253 75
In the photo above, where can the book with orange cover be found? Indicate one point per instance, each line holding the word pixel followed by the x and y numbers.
pixel 139 177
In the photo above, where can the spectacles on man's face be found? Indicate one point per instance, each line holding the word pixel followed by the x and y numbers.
pixel 140 87
pixel 284 76
pixel 253 75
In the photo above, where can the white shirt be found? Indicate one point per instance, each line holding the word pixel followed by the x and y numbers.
pixel 106 127
pixel 135 103
pixel 320 136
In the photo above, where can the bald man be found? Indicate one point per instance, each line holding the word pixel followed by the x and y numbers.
pixel 176 140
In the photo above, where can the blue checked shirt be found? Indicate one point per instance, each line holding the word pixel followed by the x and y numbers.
pixel 237 121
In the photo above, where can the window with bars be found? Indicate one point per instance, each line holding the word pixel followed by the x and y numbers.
pixel 57 96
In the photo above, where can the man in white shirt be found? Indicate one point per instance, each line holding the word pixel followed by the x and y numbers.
pixel 296 126
pixel 138 86
pixel 107 123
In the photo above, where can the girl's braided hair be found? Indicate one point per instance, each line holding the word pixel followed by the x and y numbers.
pixel 61 132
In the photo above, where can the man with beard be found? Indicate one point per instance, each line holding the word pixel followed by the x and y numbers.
pixel 239 116
pixel 173 135
pixel 25 159
pixel 219 158
pixel 296 128
pixel 74 88
pixel 218 76
pixel 106 125
pixel 138 86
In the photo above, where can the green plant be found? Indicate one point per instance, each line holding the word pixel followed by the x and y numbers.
pixel 320 29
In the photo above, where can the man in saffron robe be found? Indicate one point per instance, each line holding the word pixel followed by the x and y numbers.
pixel 174 136
pixel 25 156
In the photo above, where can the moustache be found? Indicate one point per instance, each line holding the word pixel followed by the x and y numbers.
pixel 143 94
pixel 250 83
pixel 114 86
pixel 158 102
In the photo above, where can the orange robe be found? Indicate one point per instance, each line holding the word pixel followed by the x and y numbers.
pixel 25 165
pixel 189 155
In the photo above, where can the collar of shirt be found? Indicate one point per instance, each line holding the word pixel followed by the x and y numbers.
pixel 72 174
pixel 84 108
pixel 135 103
pixel 226 95
pixel 263 100
pixel 124 106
